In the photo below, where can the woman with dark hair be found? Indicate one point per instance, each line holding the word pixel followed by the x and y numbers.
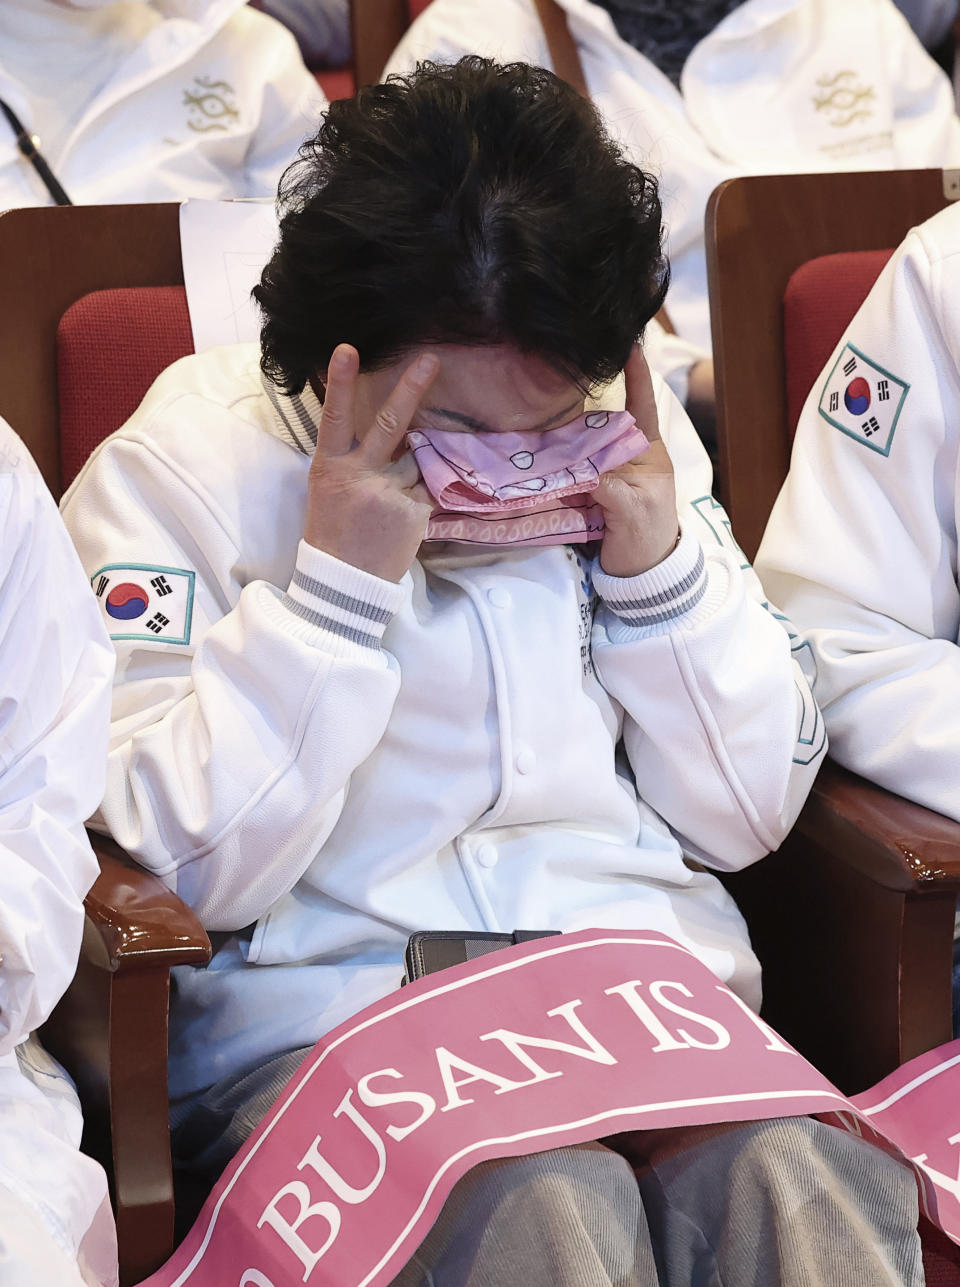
pixel 700 91
pixel 418 628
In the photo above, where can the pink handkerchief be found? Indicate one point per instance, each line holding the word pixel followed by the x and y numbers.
pixel 523 488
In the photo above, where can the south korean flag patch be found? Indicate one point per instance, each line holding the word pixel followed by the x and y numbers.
pixel 863 400
pixel 142 601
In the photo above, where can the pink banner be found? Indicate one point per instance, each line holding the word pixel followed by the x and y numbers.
pixel 917 1108
pixel 554 1042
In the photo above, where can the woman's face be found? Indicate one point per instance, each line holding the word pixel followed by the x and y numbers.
pixel 494 389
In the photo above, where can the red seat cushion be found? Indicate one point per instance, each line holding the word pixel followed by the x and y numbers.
pixel 821 298
pixel 337 82
pixel 111 346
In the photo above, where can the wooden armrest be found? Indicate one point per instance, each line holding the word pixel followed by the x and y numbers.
pixel 852 919
pixel 110 1031
pixel 140 923
pixel 894 842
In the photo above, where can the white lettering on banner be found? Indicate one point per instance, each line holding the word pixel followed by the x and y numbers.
pixel 382 1099
pixel 516 1041
pixel 447 1061
pixel 254 1278
pixel 288 1231
pixel 718 1030
pixel 773 1041
pixel 940 1180
pixel 315 1159
pixel 665 1039
pixel 457 1072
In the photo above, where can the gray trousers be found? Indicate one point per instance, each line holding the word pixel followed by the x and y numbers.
pixel 787 1201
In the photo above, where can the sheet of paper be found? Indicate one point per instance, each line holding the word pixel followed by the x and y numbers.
pixel 224 245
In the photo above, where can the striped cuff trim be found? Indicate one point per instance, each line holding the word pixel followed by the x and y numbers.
pixel 347 603
pixel 676 609
pixel 672 588
pixel 669 595
pixel 336 627
pixel 341 599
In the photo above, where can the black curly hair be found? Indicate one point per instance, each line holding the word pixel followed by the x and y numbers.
pixel 469 203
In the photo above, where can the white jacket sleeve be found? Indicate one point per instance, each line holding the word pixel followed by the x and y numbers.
pixel 291 104
pixel 230 753
pixel 55 670
pixel 861 548
pixel 722 732
pixel 926 126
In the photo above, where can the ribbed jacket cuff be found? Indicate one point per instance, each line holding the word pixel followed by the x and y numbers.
pixel 665 593
pixel 352 606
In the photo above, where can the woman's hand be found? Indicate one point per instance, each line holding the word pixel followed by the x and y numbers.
pixel 638 499
pixel 363 506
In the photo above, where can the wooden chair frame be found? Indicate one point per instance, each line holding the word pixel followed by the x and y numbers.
pixel 376 27
pixel 110 1031
pixel 51 256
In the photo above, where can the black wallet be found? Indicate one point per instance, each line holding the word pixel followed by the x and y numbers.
pixel 430 950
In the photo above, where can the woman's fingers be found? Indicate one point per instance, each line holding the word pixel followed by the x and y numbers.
pixel 393 419
pixel 641 402
pixel 337 429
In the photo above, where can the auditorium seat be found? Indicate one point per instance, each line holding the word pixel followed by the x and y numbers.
pixel 883 938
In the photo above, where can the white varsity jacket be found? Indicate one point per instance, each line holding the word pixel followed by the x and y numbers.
pixel 320 761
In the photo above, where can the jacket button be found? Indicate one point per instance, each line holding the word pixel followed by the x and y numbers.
pixel 499 597
pixel 526 761
pixel 487 855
